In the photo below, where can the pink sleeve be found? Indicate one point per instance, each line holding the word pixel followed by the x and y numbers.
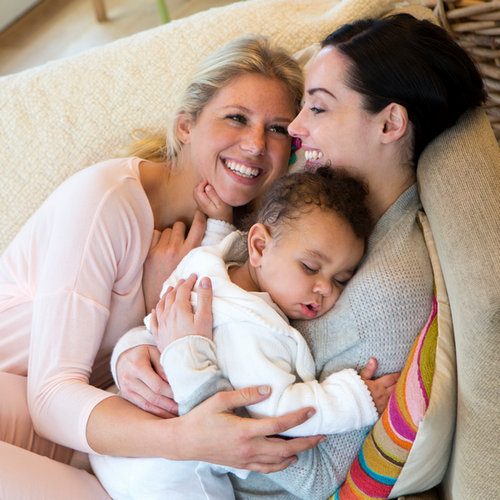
pixel 91 247
pixel 66 335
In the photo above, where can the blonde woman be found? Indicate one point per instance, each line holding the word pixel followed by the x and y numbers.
pixel 71 283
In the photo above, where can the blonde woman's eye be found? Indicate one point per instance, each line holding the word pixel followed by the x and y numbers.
pixel 237 118
pixel 279 129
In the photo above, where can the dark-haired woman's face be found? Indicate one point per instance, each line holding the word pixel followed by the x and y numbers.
pixel 333 126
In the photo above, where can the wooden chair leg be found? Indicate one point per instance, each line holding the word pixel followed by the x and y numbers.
pixel 162 7
pixel 100 10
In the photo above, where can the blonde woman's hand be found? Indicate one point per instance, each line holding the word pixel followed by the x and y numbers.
pixel 210 204
pixel 167 249
pixel 211 432
pixel 174 318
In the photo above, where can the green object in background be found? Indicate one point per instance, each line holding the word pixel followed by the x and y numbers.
pixel 162 7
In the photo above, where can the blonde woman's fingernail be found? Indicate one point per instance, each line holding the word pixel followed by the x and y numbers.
pixel 264 389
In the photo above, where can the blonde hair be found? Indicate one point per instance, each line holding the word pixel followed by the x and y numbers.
pixel 247 54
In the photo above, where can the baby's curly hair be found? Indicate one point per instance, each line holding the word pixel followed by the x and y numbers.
pixel 332 190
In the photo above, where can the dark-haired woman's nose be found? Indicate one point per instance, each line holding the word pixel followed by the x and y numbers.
pixel 296 128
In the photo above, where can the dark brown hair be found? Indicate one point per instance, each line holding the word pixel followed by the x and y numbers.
pixel 414 63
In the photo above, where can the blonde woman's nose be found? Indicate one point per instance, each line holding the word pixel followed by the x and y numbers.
pixel 254 141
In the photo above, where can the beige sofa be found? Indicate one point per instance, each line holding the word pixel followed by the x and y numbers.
pixel 61 117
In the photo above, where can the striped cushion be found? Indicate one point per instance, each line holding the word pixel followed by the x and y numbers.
pixel 386 448
pixel 408 448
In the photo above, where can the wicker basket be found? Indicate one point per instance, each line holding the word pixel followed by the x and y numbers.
pixel 475 25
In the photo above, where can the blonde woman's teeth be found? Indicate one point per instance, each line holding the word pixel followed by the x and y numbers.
pixel 313 155
pixel 242 170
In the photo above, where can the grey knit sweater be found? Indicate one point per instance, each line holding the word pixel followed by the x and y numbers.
pixel 379 314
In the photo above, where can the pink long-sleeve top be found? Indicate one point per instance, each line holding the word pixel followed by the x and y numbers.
pixel 70 286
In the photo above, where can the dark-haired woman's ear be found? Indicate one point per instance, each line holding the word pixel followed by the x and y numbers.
pixel 394 122
pixel 184 125
pixel 258 239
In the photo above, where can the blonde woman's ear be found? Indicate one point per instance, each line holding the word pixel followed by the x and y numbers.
pixel 258 239
pixel 184 125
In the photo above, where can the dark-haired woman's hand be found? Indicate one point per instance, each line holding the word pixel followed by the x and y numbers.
pixel 142 381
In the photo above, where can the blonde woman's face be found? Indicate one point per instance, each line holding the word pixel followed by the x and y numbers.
pixel 240 143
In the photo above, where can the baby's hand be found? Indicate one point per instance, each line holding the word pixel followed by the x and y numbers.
pixel 381 388
pixel 210 204
pixel 174 317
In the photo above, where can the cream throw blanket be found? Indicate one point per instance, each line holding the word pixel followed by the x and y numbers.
pixel 65 115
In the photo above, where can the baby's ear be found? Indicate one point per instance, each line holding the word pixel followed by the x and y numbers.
pixel 258 239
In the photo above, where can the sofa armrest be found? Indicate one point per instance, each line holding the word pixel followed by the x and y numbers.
pixel 459 181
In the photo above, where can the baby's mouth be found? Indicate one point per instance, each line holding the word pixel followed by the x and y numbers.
pixel 313 307
pixel 242 170
pixel 310 310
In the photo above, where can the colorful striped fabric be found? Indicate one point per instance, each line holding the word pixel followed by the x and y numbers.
pixel 385 450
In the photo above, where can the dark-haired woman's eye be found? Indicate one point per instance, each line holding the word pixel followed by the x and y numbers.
pixel 316 110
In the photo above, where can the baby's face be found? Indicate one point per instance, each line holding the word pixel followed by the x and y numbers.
pixel 306 268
